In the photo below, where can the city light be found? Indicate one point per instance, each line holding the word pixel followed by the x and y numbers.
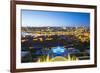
pixel 58 50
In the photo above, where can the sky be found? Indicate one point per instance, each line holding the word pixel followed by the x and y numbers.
pixel 36 18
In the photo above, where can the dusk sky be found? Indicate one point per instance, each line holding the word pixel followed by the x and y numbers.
pixel 36 18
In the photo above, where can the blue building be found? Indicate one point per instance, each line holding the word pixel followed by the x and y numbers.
pixel 58 51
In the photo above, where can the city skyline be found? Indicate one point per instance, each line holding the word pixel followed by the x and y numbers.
pixel 36 18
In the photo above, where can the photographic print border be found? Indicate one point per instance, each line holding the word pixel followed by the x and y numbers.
pixel 13 35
